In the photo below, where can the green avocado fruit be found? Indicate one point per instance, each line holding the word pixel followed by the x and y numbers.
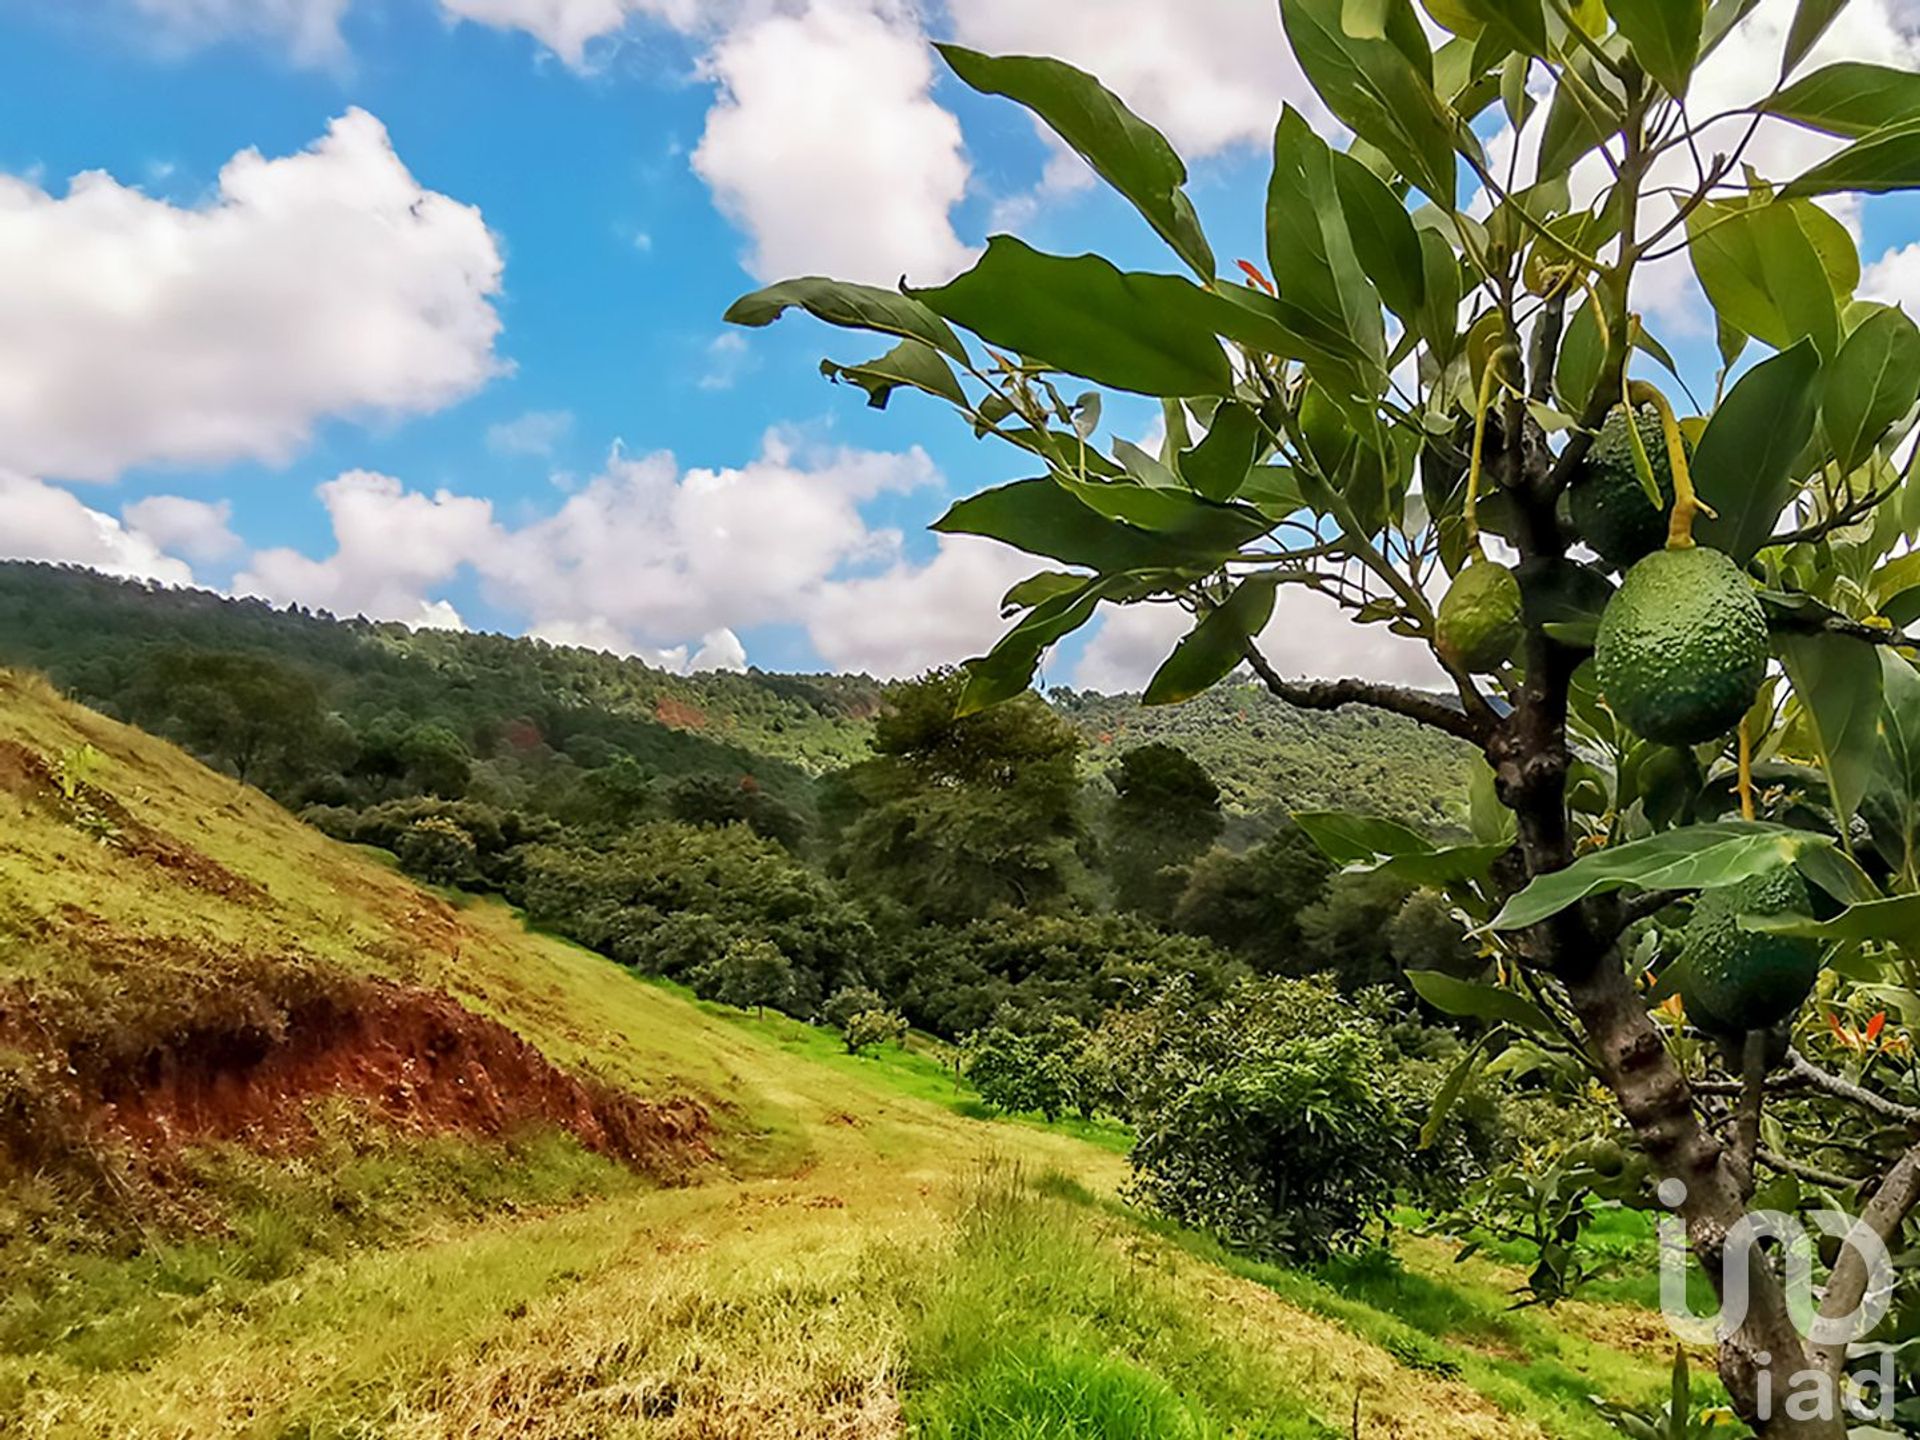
pixel 1682 647
pixel 1734 980
pixel 1610 508
pixel 1479 619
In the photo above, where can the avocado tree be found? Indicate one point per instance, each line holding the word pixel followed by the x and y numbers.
pixel 1436 403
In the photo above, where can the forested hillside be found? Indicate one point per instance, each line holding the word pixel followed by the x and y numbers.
pixel 109 642
pixel 1267 755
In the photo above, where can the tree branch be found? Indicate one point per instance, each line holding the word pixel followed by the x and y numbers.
pixel 1800 1170
pixel 1804 1069
pixel 1825 622
pixel 1886 1212
pixel 1417 705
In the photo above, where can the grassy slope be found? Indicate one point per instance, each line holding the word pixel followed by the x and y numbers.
pixel 867 1256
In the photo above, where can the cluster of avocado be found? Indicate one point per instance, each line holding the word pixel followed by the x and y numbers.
pixel 1681 653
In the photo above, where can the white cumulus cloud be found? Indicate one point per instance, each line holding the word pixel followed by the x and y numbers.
pixel 826 147
pixel 325 283
pixel 39 521
pixel 1208 73
pixel 197 529
pixel 392 546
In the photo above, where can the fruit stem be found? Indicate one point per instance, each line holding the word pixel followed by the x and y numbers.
pixel 1488 378
pixel 1746 771
pixel 1687 505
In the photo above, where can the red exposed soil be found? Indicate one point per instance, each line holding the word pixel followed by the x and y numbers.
pixel 420 1059
pixel 679 715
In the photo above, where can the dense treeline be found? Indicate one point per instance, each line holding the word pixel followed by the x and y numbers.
pixel 781 841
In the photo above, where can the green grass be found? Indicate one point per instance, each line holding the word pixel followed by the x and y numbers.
pixel 1517 1358
pixel 922 1069
pixel 1042 1332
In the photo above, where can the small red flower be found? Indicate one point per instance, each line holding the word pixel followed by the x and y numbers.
pixel 1252 272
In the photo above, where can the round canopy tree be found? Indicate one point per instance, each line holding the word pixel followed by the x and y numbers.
pixel 1436 404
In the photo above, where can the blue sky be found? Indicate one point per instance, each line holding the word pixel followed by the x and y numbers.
pixel 422 355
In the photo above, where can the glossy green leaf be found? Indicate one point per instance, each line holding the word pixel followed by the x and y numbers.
pixel 1581 114
pixel 912 363
pixel 1694 857
pixel 1008 669
pixel 1043 518
pixel 1217 646
pixel 1449 865
pixel 850 306
pixel 1851 99
pixel 1872 383
pixel 1145 333
pixel 1831 869
pixel 1217 467
pixel 1310 251
pixel 1891 804
pixel 1439 319
pixel 1448 1095
pixel 1474 1000
pixel 1345 838
pixel 1878 162
pixel 1838 683
pixel 1384 239
pixel 1123 149
pixel 1520 24
pixel 1203 529
pixel 1583 355
pixel 1892 920
pixel 1810 22
pixel 1665 36
pixel 1280 327
pixel 1764 273
pixel 1744 463
pixel 1381 87
pixel 1273 490
pixel 1035 588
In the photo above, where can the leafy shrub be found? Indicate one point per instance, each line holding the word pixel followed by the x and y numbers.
pixel 1043 1069
pixel 751 975
pixel 873 1027
pixel 1284 1116
pixel 439 852
pixel 1291 1153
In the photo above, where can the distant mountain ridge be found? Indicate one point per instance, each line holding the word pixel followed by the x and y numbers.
pixel 91 634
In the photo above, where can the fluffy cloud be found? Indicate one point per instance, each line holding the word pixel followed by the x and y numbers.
pixel 663 554
pixel 44 522
pixel 391 546
pixel 197 529
pixel 326 283
pixel 1209 73
pixel 826 147
pixel 567 27
pixel 911 617
pixel 308 29
pixel 640 559
pixel 1308 635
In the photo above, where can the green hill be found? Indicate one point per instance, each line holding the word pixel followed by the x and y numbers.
pixel 537 712
pixel 291 1147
